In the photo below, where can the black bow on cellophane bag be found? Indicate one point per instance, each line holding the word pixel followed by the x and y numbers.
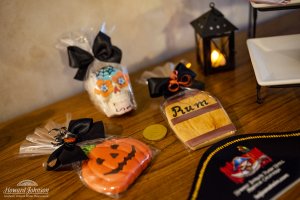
pixel 180 79
pixel 105 79
pixel 102 50
pixel 61 142
pixel 195 116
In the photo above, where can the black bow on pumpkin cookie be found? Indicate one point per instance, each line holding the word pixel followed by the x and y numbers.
pixel 79 130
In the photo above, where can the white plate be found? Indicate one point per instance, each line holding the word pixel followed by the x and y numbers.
pixel 261 5
pixel 276 60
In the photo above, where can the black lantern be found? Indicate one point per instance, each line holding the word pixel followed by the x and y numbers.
pixel 214 41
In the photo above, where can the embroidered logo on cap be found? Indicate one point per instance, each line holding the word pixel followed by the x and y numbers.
pixel 245 165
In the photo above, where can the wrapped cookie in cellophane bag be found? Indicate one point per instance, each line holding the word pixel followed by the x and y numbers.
pixel 46 140
pixel 108 166
pixel 197 118
pixel 105 79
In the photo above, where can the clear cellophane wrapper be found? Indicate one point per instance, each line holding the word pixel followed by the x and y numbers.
pixel 46 139
pixel 197 118
pixel 114 164
pixel 157 72
pixel 40 142
pixel 107 83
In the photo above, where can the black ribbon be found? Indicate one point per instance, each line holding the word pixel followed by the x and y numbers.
pixel 68 153
pixel 163 86
pixel 103 50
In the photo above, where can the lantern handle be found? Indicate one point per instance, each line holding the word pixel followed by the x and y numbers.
pixel 212 5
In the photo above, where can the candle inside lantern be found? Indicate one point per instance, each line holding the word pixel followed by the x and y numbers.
pixel 188 65
pixel 217 59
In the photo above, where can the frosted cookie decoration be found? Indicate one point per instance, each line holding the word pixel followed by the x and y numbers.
pixel 114 164
pixel 109 166
pixel 109 88
pixel 106 81
pixel 196 117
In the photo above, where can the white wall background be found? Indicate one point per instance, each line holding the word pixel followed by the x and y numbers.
pixel 33 72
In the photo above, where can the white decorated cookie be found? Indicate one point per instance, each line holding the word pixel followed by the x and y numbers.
pixel 109 88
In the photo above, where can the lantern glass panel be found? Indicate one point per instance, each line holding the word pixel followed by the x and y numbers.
pixel 200 47
pixel 219 51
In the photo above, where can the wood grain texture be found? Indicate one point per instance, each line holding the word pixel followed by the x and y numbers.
pixel 171 174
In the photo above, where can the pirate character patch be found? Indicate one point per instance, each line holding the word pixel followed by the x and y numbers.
pixel 250 166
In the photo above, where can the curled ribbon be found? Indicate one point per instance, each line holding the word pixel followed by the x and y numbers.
pixel 79 130
pixel 180 78
pixel 102 49
pixel 175 83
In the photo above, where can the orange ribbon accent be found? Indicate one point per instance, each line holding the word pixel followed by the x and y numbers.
pixel 69 140
pixel 174 83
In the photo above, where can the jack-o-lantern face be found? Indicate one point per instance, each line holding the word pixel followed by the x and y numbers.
pixel 111 88
pixel 114 164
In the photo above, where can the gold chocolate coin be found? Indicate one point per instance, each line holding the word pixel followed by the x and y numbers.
pixel 155 132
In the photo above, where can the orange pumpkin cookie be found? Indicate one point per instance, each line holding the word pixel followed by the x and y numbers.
pixel 114 164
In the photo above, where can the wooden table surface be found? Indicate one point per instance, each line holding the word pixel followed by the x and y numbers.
pixel 172 173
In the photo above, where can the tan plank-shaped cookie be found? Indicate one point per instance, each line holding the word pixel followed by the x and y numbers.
pixel 197 118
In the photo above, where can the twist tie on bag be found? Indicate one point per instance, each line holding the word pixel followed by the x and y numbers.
pixel 79 130
pixel 102 49
pixel 63 136
pixel 180 78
